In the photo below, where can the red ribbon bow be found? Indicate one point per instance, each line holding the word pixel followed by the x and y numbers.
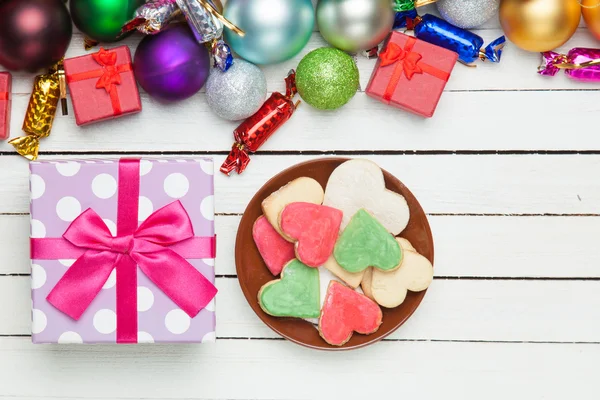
pixel 108 76
pixel 407 62
pixel 159 247
pixel 394 53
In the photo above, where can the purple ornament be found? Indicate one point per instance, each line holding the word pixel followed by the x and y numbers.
pixel 171 65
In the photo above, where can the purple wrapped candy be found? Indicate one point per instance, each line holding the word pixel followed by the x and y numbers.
pixel 579 63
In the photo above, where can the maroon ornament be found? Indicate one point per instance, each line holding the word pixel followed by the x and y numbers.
pixel 34 34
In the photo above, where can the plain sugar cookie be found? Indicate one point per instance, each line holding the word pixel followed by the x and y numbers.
pixel 366 283
pixel 346 311
pixel 360 184
pixel 302 189
pixel 405 244
pixel 390 288
pixel 274 250
pixel 351 279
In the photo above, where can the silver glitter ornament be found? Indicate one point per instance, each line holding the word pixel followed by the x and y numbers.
pixel 354 25
pixel 238 93
pixel 468 13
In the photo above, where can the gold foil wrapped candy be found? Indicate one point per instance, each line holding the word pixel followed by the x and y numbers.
pixel 48 89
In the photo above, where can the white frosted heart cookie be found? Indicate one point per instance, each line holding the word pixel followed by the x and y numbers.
pixel 351 279
pixel 360 184
pixel 302 189
pixel 389 289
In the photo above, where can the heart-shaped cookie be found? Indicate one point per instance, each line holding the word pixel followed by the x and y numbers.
pixel 390 288
pixel 314 228
pixel 346 311
pixel 349 278
pixel 366 243
pixel 360 184
pixel 274 250
pixel 302 189
pixel 296 294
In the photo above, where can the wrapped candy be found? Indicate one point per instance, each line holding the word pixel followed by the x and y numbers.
pixel 152 17
pixel 202 16
pixel 468 45
pixel 5 103
pixel 579 63
pixel 254 131
pixel 48 90
pixel 407 9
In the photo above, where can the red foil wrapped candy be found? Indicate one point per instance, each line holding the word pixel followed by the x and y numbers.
pixel 253 132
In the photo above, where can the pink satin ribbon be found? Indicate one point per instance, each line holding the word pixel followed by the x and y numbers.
pixel 159 247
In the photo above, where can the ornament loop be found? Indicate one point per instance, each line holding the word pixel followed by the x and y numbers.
pixel 220 17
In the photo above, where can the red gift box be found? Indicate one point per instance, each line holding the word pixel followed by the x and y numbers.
pixel 411 74
pixel 102 85
pixel 5 102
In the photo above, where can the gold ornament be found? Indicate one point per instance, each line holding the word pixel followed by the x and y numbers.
pixel 591 15
pixel 539 25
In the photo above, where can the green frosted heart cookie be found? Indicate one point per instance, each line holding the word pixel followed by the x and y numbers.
pixel 366 243
pixel 296 294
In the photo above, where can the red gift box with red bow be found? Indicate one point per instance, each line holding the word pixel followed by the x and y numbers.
pixel 5 102
pixel 411 74
pixel 102 85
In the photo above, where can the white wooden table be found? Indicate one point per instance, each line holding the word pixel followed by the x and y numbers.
pixel 507 171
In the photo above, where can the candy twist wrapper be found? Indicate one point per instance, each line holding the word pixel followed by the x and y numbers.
pixel 48 90
pixel 407 9
pixel 254 132
pixel 202 16
pixel 468 45
pixel 580 63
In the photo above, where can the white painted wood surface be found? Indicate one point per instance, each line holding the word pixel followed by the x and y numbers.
pixel 507 171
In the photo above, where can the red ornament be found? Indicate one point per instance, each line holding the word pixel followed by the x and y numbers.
pixel 253 132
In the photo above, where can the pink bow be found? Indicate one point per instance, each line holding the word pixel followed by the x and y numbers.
pixel 146 247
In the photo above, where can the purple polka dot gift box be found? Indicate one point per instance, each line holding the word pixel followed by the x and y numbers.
pixel 122 251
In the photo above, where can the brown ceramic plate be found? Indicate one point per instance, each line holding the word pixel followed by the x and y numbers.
pixel 253 273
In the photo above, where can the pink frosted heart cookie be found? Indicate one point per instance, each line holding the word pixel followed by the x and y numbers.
pixel 346 311
pixel 314 228
pixel 274 250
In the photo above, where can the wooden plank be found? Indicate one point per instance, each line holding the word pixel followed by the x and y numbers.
pixel 465 246
pixel 507 184
pixel 237 369
pixel 464 121
pixel 481 310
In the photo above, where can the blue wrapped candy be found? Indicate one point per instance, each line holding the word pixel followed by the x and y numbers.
pixel 468 45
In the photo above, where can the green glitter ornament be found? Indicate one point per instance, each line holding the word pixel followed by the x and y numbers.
pixel 327 78
pixel 102 20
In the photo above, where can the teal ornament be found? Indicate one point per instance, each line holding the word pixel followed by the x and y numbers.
pixel 276 30
pixel 327 78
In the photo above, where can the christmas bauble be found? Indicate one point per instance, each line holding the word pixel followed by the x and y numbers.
pixel 353 25
pixel 237 93
pixel 171 65
pixel 591 14
pixel 34 34
pixel 102 20
pixel 539 25
pixel 467 13
pixel 276 30
pixel 327 78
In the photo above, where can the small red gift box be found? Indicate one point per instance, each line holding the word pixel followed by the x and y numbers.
pixel 411 74
pixel 5 101
pixel 102 85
